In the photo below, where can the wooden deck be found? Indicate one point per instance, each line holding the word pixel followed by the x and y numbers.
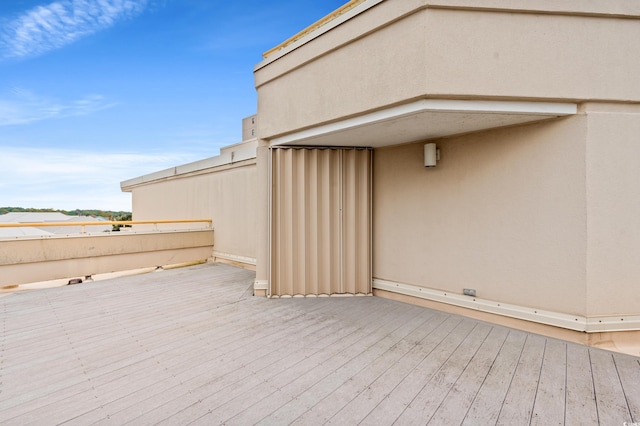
pixel 192 346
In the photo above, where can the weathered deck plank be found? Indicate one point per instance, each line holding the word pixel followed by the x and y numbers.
pixel 488 402
pixel 610 397
pixel 518 403
pixel 335 369
pixel 190 345
pixel 342 384
pixel 581 406
pixel 369 390
pixel 424 405
pixel 629 374
pixel 204 371
pixel 393 406
pixel 549 406
pixel 214 392
pixel 457 402
pixel 317 393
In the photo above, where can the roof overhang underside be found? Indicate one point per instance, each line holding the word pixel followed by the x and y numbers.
pixel 422 120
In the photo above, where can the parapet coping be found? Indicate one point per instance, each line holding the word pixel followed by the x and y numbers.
pixel 228 155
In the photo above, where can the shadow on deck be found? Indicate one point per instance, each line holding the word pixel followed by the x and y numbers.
pixel 191 345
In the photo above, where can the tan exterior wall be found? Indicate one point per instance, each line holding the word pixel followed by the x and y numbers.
pixel 539 219
pixel 226 194
pixel 613 192
pixel 503 213
pixel 322 84
pixel 249 127
pixel 399 51
pixel 540 216
pixel 531 55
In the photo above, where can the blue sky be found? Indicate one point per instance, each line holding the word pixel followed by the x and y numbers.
pixel 94 92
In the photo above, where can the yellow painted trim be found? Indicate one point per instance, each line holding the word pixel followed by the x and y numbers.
pixel 100 223
pixel 340 11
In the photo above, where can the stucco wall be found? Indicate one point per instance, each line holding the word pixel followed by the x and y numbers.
pixel 398 51
pixel 613 191
pixel 503 212
pixel 542 215
pixel 532 55
pixel 227 195
pixel 365 74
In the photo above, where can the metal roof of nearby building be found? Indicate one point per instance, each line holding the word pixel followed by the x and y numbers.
pixel 31 217
pixel 46 217
pixel 23 232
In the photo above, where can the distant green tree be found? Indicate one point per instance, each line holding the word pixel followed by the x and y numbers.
pixel 119 218
pixel 107 214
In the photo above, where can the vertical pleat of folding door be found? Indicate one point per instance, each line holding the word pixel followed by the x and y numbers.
pixel 356 224
pixel 320 221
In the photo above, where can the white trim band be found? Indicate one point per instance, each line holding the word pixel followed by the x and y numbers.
pixel 557 319
pixel 235 258
pixel 542 109
pixel 261 285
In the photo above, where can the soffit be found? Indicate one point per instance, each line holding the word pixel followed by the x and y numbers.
pixel 424 119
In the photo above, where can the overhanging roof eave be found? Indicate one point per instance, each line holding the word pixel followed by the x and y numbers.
pixel 424 119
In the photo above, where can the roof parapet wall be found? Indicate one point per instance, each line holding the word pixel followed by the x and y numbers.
pixel 330 17
pixel 615 8
pixel 229 155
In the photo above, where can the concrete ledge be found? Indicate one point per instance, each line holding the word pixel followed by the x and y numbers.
pixel 32 260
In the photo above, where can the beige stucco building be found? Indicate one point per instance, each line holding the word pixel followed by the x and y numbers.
pixel 533 204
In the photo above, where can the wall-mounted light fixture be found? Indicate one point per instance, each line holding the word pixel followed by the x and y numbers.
pixel 431 155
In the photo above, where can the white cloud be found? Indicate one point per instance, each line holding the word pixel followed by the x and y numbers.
pixel 22 107
pixel 69 179
pixel 62 22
